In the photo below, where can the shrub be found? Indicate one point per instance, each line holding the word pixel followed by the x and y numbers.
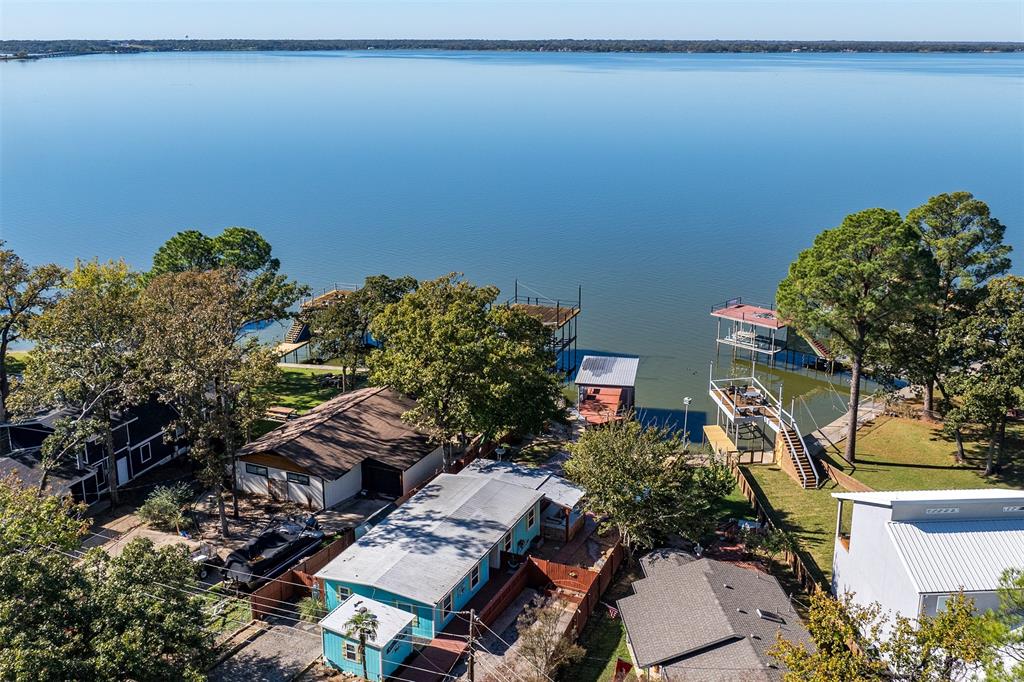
pixel 311 610
pixel 165 507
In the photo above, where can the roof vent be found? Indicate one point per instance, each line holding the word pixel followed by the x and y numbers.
pixel 942 510
pixel 770 615
pixel 727 586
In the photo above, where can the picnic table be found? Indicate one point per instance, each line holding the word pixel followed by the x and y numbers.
pixel 279 413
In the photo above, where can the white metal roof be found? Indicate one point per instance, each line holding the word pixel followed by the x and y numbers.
pixel 607 370
pixel 390 620
pixel 555 488
pixel 946 556
pixel 887 497
pixel 430 543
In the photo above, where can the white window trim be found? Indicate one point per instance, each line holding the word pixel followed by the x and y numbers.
pixel 146 453
pixel 354 658
pixel 477 572
pixel 531 517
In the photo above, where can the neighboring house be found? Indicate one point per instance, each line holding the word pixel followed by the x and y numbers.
pixel 560 512
pixel 139 444
pixel 384 653
pixel 352 443
pixel 606 387
pixel 433 553
pixel 708 620
pixel 911 550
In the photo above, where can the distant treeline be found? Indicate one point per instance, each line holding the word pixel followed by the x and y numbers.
pixel 54 47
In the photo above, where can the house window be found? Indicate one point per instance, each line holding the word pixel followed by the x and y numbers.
pixel 506 542
pixel 531 517
pixel 941 602
pixel 341 593
pixel 301 479
pixel 145 452
pixel 446 606
pixel 351 652
pixel 474 577
pixel 392 646
pixel 256 470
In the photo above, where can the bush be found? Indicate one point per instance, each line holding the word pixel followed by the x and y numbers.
pixel 311 610
pixel 165 507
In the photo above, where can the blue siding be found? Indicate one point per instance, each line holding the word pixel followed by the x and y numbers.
pixel 429 621
pixel 422 627
pixel 394 654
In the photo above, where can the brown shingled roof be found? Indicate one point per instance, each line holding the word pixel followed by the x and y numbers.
pixel 337 436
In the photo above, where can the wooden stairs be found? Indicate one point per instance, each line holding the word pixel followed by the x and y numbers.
pixel 823 351
pixel 806 473
pixel 299 331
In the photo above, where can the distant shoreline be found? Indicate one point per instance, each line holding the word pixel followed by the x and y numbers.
pixel 36 49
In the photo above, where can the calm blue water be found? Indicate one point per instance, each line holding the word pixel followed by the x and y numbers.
pixel 660 183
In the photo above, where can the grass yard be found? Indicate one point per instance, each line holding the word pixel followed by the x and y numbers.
pixel 297 389
pixel 604 638
pixel 907 454
pixel 16 361
pixel 809 515
pixel 227 613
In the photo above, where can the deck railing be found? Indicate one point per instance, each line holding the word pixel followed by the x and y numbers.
pixel 774 415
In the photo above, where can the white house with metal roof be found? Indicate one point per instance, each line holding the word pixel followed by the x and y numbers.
pixel 560 510
pixel 435 552
pixel 911 550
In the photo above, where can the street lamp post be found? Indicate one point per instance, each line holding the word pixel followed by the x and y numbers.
pixel 686 416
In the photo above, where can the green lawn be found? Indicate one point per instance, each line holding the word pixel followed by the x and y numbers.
pixel 906 454
pixel 297 389
pixel 226 613
pixel 810 515
pixel 16 361
pixel 604 639
pixel 894 454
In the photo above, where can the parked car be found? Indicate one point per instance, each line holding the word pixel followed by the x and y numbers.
pixel 271 553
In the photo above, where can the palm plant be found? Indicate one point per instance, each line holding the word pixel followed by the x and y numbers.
pixel 362 625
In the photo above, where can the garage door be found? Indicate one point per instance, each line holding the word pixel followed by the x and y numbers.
pixel 382 480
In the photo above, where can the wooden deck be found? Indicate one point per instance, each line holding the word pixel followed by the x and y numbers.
pixel 718 440
pixel 549 315
pixel 326 298
pixel 750 314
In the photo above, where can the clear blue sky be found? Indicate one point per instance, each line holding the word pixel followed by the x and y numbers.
pixel 680 19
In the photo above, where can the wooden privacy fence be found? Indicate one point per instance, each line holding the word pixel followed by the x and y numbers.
pixel 297 581
pixel 807 573
pixel 577 585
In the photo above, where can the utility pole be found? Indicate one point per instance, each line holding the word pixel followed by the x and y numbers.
pixel 472 652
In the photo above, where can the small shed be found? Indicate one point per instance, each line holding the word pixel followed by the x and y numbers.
pixel 385 651
pixel 606 387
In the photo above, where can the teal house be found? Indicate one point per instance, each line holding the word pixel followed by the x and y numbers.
pixel 436 551
pixel 384 652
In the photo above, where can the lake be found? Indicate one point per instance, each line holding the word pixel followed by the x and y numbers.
pixel 661 184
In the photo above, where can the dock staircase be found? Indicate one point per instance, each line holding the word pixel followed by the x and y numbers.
pixel 746 401
pixel 800 460
pixel 298 332
pixel 820 349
